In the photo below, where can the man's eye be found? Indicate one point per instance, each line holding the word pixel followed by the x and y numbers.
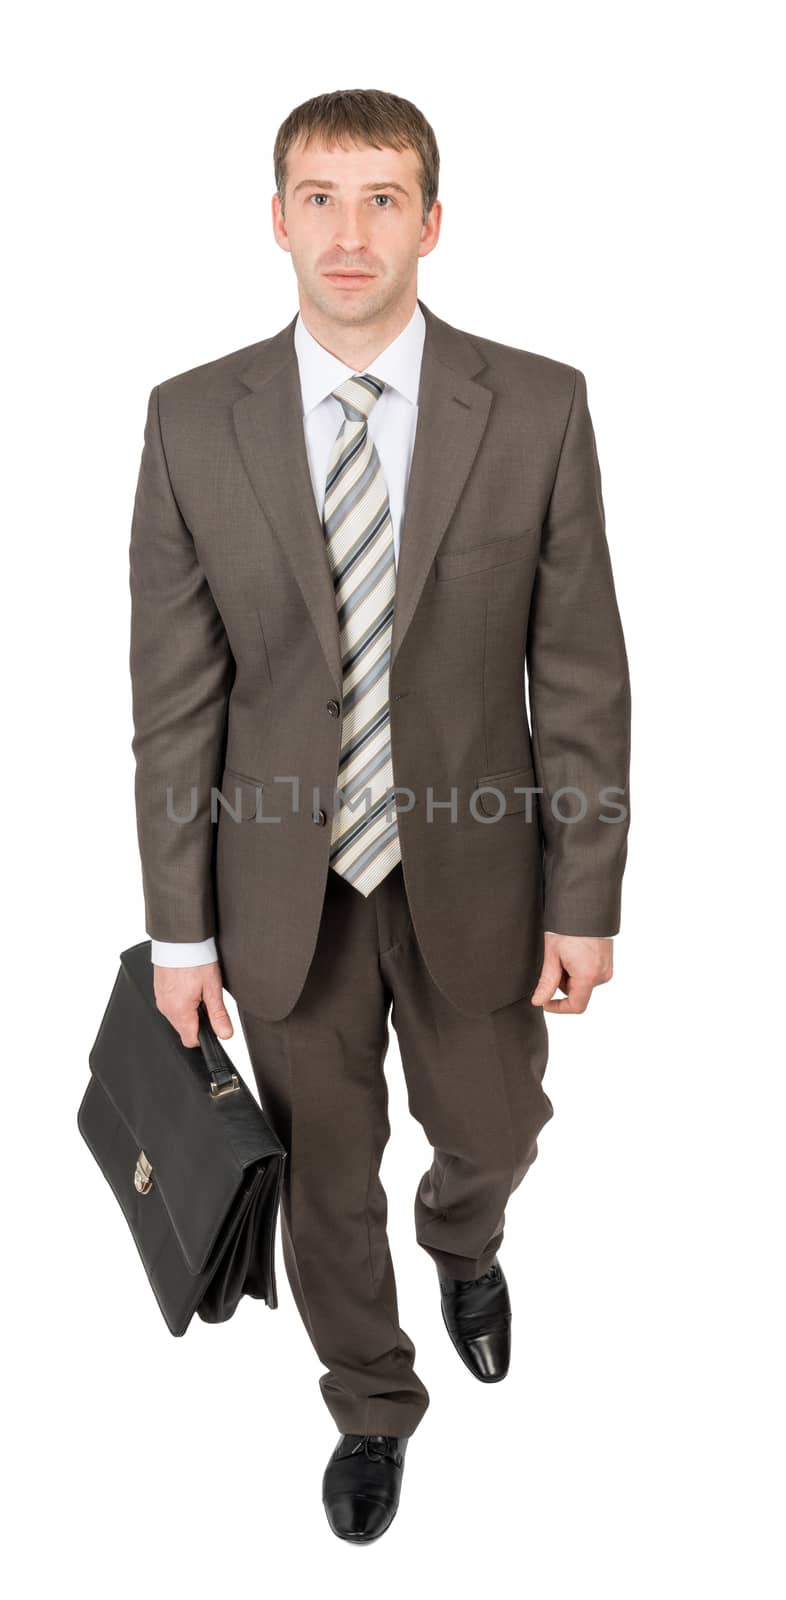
pixel 387 197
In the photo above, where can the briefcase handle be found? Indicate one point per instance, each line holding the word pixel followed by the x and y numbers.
pixel 223 1078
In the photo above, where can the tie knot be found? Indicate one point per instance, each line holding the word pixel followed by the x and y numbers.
pixel 359 395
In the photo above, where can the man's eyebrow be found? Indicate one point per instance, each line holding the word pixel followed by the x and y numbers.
pixel 324 183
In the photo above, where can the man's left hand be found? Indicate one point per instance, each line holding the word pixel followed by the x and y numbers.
pixel 574 965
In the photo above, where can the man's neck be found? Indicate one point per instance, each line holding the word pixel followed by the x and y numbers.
pixel 358 346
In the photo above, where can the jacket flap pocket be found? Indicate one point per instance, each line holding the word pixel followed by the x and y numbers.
pixel 505 784
pixel 476 557
pixel 242 795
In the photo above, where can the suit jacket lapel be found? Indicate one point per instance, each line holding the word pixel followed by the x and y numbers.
pixel 453 412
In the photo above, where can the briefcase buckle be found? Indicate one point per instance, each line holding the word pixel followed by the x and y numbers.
pixel 143 1181
pixel 217 1089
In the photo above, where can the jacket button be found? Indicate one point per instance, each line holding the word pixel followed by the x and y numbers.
pixel 333 707
pixel 319 818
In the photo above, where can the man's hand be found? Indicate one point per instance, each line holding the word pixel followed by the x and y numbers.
pixel 575 965
pixel 178 991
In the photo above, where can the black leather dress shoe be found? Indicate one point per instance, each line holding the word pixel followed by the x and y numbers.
pixel 477 1315
pixel 362 1484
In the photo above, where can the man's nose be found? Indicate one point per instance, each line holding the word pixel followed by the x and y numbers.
pixel 350 231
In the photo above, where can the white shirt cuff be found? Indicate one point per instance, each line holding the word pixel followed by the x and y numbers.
pixel 181 954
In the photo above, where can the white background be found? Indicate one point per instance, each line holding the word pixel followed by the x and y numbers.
pixel 610 183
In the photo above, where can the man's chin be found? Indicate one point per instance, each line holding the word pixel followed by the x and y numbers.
pixel 343 305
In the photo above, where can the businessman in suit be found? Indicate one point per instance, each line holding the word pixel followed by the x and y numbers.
pixel 348 541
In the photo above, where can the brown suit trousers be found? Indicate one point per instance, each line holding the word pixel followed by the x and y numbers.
pixel 474 1084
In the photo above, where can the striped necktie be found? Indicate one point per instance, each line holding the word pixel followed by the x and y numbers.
pixel 359 536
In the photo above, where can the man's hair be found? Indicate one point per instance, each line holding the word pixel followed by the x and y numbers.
pixel 361 117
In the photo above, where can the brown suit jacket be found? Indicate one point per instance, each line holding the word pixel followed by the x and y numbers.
pixel 236 671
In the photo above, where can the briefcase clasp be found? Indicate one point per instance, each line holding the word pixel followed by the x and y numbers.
pixel 143 1181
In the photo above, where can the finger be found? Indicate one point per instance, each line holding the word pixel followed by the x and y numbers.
pixel 576 1000
pixel 549 980
pixel 188 1028
pixel 220 1019
pixel 213 1000
pixel 547 983
pixel 180 1012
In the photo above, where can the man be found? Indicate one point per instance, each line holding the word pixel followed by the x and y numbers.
pixel 348 540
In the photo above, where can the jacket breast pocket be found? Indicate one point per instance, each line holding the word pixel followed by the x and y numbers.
pixel 479 557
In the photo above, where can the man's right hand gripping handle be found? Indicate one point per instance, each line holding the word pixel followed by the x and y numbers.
pixel 178 991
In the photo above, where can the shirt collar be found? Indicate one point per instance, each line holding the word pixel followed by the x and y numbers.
pixel 397 365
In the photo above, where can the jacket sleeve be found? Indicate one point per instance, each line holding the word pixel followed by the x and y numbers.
pixel 181 676
pixel 579 694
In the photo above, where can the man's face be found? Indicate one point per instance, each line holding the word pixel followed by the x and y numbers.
pixel 354 228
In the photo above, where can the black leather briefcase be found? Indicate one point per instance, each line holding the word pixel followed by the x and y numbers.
pixel 189 1154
